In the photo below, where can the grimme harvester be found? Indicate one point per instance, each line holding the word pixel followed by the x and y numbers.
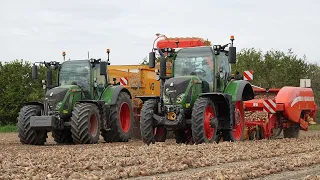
pixel 288 109
pixel 82 105
pixel 201 102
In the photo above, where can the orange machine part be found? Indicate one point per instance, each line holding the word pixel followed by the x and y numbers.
pixel 183 42
pixel 296 100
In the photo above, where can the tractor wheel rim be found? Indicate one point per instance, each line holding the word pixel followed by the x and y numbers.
pixel 239 121
pixel 208 130
pixel 125 117
pixel 93 125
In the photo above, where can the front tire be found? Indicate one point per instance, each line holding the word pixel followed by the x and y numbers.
pixel 85 123
pixel 202 112
pixel 146 121
pixel 28 135
pixel 121 117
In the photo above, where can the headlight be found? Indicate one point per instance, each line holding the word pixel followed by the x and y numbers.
pixel 166 99
pixel 58 105
pixel 180 97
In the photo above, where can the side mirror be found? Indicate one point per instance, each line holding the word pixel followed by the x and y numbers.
pixel 103 68
pixel 34 72
pixel 163 67
pixel 232 55
pixel 152 59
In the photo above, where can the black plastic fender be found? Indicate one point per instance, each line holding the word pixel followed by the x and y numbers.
pixel 245 91
pixel 116 93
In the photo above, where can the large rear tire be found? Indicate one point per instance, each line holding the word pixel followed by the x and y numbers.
pixel 62 136
pixel 85 123
pixel 121 117
pixel 202 112
pixel 28 135
pixel 146 121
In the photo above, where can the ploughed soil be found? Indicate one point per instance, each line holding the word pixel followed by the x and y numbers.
pixel 260 159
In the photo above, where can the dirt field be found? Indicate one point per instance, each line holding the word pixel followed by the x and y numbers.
pixel 265 159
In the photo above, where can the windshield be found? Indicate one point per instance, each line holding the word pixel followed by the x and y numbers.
pixel 195 61
pixel 75 72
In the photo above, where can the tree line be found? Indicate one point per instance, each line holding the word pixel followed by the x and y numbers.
pixel 272 69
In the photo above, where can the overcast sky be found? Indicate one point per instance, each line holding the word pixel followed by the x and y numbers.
pixel 38 30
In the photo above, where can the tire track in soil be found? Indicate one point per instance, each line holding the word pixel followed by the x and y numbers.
pixel 303 173
pixel 285 173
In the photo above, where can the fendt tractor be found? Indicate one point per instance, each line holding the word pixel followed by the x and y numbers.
pixel 79 108
pixel 202 102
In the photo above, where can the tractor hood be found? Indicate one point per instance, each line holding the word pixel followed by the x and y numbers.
pixel 57 94
pixel 175 89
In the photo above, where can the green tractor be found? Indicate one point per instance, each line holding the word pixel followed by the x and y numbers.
pixel 80 108
pixel 202 102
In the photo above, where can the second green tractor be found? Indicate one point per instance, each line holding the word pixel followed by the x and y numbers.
pixel 79 108
pixel 202 102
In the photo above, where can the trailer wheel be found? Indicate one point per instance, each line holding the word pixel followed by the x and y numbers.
pixel 85 123
pixel 202 112
pixel 146 121
pixel 292 131
pixel 160 134
pixel 121 117
pixel 62 136
pixel 28 135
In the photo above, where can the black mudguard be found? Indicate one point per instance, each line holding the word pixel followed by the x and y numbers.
pixel 245 91
pixel 116 93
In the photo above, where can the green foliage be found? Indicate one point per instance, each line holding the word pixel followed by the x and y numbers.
pixel 8 128
pixel 315 127
pixel 18 87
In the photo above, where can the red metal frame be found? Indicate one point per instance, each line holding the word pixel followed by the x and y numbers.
pixel 290 103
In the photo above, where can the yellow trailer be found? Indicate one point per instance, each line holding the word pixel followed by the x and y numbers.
pixel 139 80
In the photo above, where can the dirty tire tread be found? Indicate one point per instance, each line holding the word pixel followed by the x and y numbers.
pixel 80 123
pixel 197 124
pixel 116 133
pixel 26 134
pixel 146 121
pixel 62 136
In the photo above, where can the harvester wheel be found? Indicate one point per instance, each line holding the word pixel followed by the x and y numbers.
pixel 62 136
pixel 292 131
pixel 85 123
pixel 160 134
pixel 202 113
pixel 146 121
pixel 121 117
pixel 28 135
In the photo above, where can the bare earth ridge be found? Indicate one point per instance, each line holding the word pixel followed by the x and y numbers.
pixel 264 159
